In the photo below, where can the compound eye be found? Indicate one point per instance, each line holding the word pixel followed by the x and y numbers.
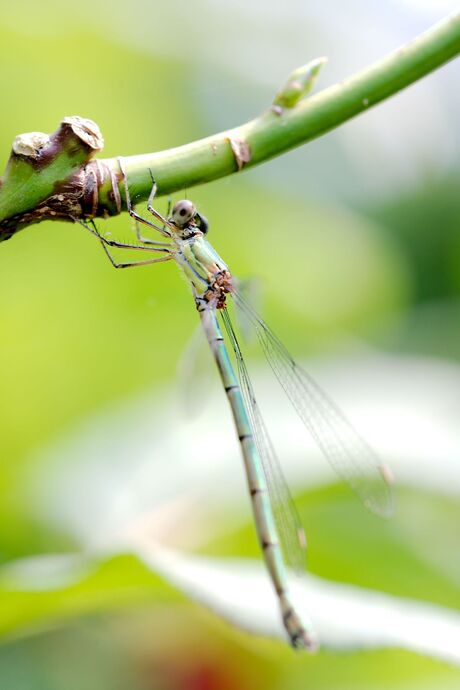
pixel 183 212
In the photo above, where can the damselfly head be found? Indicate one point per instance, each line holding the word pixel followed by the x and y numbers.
pixel 183 212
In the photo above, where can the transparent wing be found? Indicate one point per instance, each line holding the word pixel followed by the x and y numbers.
pixel 290 531
pixel 194 375
pixel 252 292
pixel 348 453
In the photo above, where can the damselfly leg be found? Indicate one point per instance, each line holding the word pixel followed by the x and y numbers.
pixel 106 243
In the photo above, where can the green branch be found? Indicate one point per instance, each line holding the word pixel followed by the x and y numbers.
pixel 292 120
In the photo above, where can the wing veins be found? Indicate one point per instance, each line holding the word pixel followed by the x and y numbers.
pixel 350 456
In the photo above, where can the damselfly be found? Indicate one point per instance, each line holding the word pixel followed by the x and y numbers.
pixel 279 531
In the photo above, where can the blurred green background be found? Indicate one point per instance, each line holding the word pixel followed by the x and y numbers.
pixel 365 223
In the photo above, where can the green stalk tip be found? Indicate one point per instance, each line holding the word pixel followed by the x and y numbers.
pixel 299 84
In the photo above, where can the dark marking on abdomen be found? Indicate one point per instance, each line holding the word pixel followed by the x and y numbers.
pixel 269 544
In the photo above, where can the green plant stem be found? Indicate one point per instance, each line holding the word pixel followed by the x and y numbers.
pixel 270 134
pixel 274 132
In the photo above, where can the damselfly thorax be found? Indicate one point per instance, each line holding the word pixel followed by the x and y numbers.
pixel 209 277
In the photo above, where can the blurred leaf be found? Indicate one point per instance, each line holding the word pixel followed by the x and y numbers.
pixel 38 592
pixel 48 589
